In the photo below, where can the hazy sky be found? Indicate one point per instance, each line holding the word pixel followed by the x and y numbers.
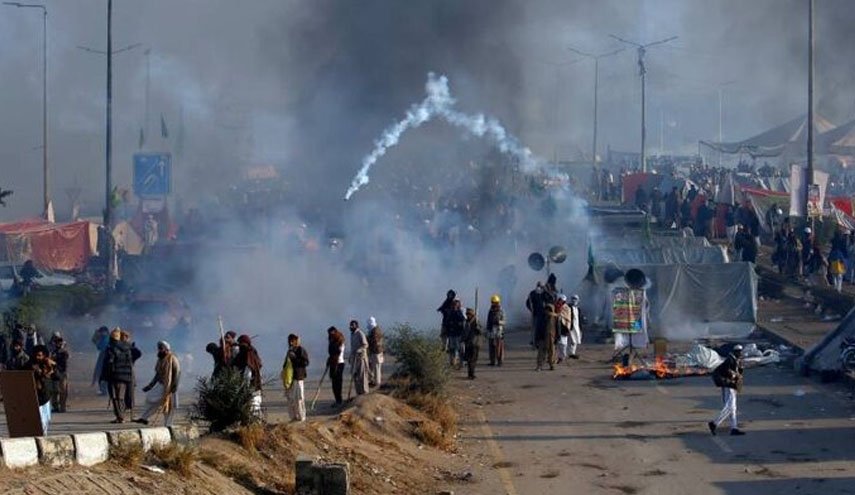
pixel 307 85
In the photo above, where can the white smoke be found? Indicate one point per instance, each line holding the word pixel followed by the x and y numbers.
pixel 440 103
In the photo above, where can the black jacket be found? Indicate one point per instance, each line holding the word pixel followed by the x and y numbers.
pixel 118 363
pixel 729 373
pixel 299 361
pixel 456 322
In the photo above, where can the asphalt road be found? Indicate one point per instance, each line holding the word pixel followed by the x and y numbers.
pixel 575 430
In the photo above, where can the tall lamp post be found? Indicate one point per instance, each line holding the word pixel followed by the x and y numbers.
pixel 596 58
pixel 45 171
pixel 108 206
pixel 810 129
pixel 642 71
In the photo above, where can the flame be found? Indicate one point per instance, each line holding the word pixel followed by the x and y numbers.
pixel 660 368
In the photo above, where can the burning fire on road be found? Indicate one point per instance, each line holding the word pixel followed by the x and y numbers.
pixel 660 369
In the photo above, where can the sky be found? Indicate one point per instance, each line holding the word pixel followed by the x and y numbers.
pixel 308 85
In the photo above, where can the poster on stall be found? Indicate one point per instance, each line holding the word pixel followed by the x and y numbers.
pixel 627 310
pixel 814 205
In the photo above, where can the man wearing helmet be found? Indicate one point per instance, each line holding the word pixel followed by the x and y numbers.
pixel 496 331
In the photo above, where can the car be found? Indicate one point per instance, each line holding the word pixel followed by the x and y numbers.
pixel 153 317
pixel 9 272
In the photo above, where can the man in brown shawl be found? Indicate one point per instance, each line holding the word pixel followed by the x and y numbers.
pixel 162 391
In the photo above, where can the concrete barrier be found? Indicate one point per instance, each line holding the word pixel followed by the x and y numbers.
pixel 184 433
pixel 128 437
pixel 56 451
pixel 19 452
pixel 91 448
pixel 155 437
pixel 314 478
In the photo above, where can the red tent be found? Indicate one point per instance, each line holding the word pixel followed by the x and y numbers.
pixel 51 246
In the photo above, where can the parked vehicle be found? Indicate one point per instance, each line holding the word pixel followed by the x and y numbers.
pixel 9 273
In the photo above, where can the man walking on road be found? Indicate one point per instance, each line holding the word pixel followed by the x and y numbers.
pixel 118 372
pixel 375 353
pixel 496 331
pixel 358 358
pixel 728 377
pixel 162 391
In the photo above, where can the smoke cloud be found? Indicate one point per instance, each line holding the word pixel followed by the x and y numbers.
pixel 439 102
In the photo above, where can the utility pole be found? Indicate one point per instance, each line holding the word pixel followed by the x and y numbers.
pixel 642 71
pixel 596 58
pixel 811 44
pixel 45 169
pixel 108 147
pixel 147 88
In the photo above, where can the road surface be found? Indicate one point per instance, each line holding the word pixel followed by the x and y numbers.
pixel 575 430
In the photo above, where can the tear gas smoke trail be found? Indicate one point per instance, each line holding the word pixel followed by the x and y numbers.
pixel 440 103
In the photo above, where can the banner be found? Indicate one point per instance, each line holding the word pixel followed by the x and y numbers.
pixel 798 183
pixel 627 307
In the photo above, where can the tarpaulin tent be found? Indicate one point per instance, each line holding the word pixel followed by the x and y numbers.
pixel 838 141
pixel 51 246
pixel 661 255
pixel 825 354
pixel 787 138
pixel 688 302
pixel 653 241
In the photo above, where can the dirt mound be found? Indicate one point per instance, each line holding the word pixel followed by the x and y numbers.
pixel 376 436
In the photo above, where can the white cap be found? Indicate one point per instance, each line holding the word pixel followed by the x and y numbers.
pixel 737 347
pixel 574 297
pixel 562 297
pixel 372 322
pixel 807 230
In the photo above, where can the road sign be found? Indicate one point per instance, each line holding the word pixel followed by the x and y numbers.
pixel 152 174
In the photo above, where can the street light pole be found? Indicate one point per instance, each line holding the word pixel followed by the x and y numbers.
pixel 596 59
pixel 642 70
pixel 811 43
pixel 108 210
pixel 45 169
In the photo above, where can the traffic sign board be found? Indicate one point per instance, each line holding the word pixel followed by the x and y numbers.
pixel 152 174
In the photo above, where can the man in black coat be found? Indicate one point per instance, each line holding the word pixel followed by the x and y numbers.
pixel 728 377
pixel 118 372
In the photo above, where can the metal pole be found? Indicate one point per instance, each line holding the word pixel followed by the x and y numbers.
pixel 45 171
pixel 594 145
pixel 661 132
pixel 719 123
pixel 809 175
pixel 643 108
pixel 108 210
pixel 147 90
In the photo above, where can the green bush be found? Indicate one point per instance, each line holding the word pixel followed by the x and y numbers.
pixel 420 358
pixel 224 401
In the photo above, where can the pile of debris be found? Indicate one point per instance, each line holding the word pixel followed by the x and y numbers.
pixel 700 360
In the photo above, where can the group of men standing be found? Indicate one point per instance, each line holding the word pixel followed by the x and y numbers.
pixel 556 324
pixel 366 365
pixel 49 362
pixel 461 333
pixel 116 363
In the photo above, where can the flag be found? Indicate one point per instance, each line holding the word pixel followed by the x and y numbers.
pixel 179 138
pixel 142 138
pixel 164 132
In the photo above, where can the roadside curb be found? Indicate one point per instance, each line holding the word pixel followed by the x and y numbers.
pixel 86 449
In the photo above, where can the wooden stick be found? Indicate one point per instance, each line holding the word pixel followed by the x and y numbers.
pixel 318 392
pixel 222 338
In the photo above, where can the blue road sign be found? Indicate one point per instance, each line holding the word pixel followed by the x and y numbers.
pixel 152 174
